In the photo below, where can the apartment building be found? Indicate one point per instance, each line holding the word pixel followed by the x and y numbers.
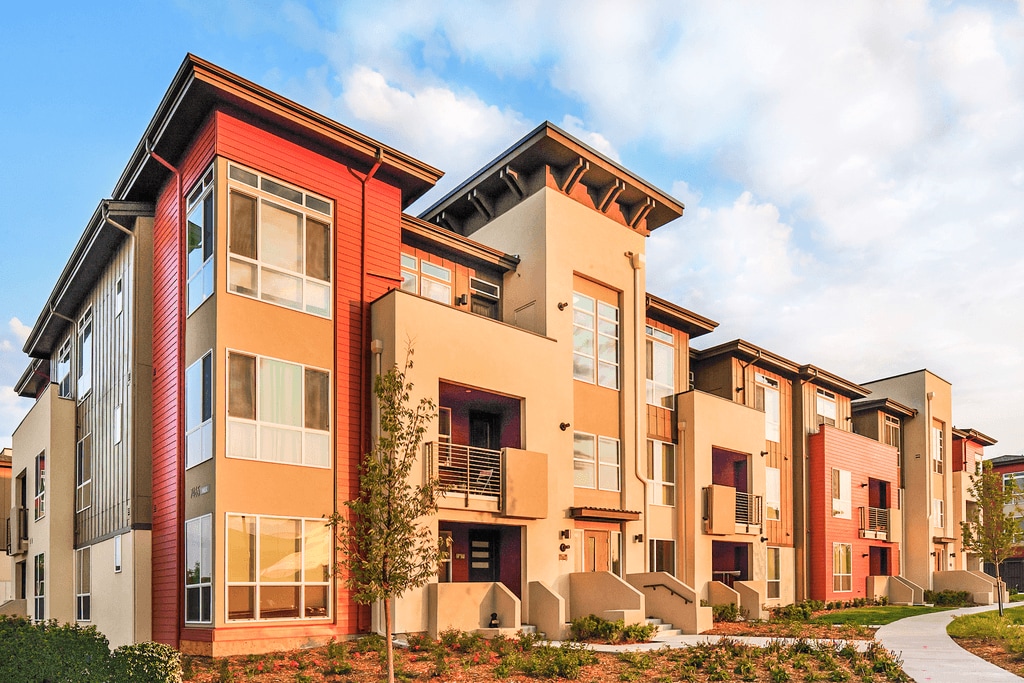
pixel 6 569
pixel 1012 569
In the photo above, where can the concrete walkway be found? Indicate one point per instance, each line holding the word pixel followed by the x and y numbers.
pixel 931 656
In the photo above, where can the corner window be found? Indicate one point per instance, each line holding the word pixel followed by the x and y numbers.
pixel 39 503
pixel 422 277
pixel 277 568
pixel 278 411
pixel 766 399
pixel 39 594
pixel 198 570
pixel 891 437
pixel 938 450
pixel 199 241
pixel 772 492
pixel 63 377
pixel 661 468
pixel 825 406
pixel 279 242
pixel 586 473
pixel 84 355
pixel 595 339
pixel 841 495
pixel 83 474
pixel 663 555
pixel 842 567
pixel 83 584
pixel 661 368
pixel 774 573
pixel 199 411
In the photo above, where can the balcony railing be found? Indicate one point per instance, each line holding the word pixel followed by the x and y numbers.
pixel 466 469
pixel 748 508
pixel 17 531
pixel 874 519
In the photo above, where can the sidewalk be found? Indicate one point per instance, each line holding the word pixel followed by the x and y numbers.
pixel 929 655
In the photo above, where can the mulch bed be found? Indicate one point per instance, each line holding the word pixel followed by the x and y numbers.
pixel 782 629
pixel 992 652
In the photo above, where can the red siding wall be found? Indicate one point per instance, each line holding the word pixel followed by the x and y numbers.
pixel 168 391
pixel 243 141
pixel 864 458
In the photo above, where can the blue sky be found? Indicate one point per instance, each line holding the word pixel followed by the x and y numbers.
pixel 852 171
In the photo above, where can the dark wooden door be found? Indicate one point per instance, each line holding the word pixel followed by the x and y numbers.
pixel 484 430
pixel 484 551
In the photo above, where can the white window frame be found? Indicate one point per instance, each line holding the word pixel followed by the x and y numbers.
pixel 842 582
pixel 842 487
pixel 39 498
pixel 118 424
pixel 605 465
pixel 203 526
pixel 258 424
pixel 85 354
pixel 83 473
pixel 938 450
pixel 118 298
pixel 768 399
pixel 600 321
pixel 199 418
pixel 663 486
pixel 824 403
pixel 662 555
pixel 658 392
pixel 256 585
pixel 773 493
pixel 429 280
pixel 582 462
pixel 939 513
pixel 117 554
pixel 64 387
pixel 774 583
pixel 201 205
pixel 892 430
pixel 83 584
pixel 39 587
pixel 281 196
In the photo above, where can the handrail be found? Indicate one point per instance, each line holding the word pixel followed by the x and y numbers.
pixel 656 586
pixel 466 469
pixel 874 519
pixel 748 508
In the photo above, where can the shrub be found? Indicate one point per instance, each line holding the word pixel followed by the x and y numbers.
pixel 948 598
pixel 146 663
pixel 565 661
pixel 47 651
pixel 592 627
pixel 638 633
pixel 727 612
pixel 798 611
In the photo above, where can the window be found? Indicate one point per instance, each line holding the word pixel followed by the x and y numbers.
pixel 199 241
pixel 939 512
pixel 117 554
pixel 199 411
pixel 64 370
pixel 198 570
pixel 118 298
pixel 40 497
pixel 39 611
pixel 661 368
pixel 772 492
pixel 841 505
pixel 587 473
pixel 444 567
pixel 84 355
pixel 774 575
pixel 1017 479
pixel 485 298
pixel 615 553
pixel 278 411
pixel 842 567
pixel 278 568
pixel 661 468
pixel 83 581
pixel 891 437
pixel 826 408
pixel 595 337
pixel 766 399
pixel 663 555
pixel 938 450
pixel 83 474
pixel 279 242
pixel 427 279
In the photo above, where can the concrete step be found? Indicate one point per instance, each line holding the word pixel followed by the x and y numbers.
pixel 528 628
pixel 664 630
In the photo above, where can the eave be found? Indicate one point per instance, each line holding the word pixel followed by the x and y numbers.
pixel 35 377
pixel 592 514
pixel 886 405
pixel 817 376
pixel 975 436
pixel 678 317
pixel 448 242
pixel 745 351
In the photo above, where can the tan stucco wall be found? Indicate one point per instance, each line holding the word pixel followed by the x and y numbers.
pixel 122 601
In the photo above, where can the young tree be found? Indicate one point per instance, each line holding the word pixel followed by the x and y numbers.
pixel 386 550
pixel 993 530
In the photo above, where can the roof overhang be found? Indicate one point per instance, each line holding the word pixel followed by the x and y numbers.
pixel 816 375
pixel 975 436
pixel 745 351
pixel 886 405
pixel 678 317
pixel 523 169
pixel 449 243
pixel 603 514
pixel 200 86
pixel 35 378
pixel 109 226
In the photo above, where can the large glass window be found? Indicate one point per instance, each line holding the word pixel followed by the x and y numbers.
pixel 842 567
pixel 39 611
pixel 772 492
pixel 938 450
pixel 661 468
pixel 841 494
pixel 199 570
pixel 825 405
pixel 891 437
pixel 83 584
pixel 661 368
pixel 199 411
pixel 596 462
pixel 39 502
pixel 278 411
pixel 774 574
pixel 64 369
pixel 278 568
pixel 420 276
pixel 199 241
pixel 84 354
pixel 595 341
pixel 279 242
pixel 83 474
pixel 939 512
pixel 766 399
pixel 663 555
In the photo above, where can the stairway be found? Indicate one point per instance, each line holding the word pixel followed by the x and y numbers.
pixel 664 630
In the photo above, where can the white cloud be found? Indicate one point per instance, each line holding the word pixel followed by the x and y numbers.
pixel 20 329
pixel 574 126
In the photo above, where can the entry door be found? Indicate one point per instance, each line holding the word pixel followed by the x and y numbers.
pixel 879 560
pixel 484 430
pixel 596 545
pixel 484 550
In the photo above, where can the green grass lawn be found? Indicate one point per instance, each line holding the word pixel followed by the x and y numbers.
pixel 987 624
pixel 882 614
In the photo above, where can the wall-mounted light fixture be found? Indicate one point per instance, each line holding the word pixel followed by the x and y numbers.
pixel 564 533
pixel 563 425
pixel 863 485
pixel 933 553
pixel 462 300
pixel 764 453
pixel 864 555
pixel 562 305
pixel 764 539
pixel 563 547
pixel 639 538
pixel 952 554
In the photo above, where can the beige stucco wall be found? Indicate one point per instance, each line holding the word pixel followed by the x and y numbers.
pixel 122 601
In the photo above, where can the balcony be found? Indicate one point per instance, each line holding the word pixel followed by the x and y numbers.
pixel 509 482
pixel 17 531
pixel 728 511
pixel 466 471
pixel 748 509
pixel 874 523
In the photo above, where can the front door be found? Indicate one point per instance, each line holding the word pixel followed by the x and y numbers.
pixel 596 546
pixel 484 430
pixel 484 547
pixel 879 560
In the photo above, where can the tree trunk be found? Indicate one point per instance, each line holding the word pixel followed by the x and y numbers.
pixel 999 589
pixel 390 646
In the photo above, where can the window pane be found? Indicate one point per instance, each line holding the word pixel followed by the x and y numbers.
pixel 280 550
pixel 282 191
pixel 608 375
pixel 409 282
pixel 193 551
pixel 436 291
pixel 208 226
pixel 318 298
pixel 243 225
pixel 207 387
pixel 583 341
pixel 318 400
pixel 279 602
pixel 583 368
pixel 281 237
pixel 242 175
pixel 281 289
pixel 318 205
pixel 241 548
pixel 280 445
pixel 194 240
pixel 318 449
pixel 318 253
pixel 318 552
pixel 241 602
pixel 241 440
pixel 242 277
pixel 280 392
pixel 608 349
pixel 316 601
pixel 435 271
pixel 242 386
pixel 192 605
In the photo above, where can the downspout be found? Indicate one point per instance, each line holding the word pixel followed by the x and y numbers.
pixel 684 531
pixel 930 501
pixel 636 261
pixel 364 394
pixel 179 412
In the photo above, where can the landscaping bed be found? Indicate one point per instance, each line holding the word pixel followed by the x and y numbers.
pixel 996 639
pixel 813 619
